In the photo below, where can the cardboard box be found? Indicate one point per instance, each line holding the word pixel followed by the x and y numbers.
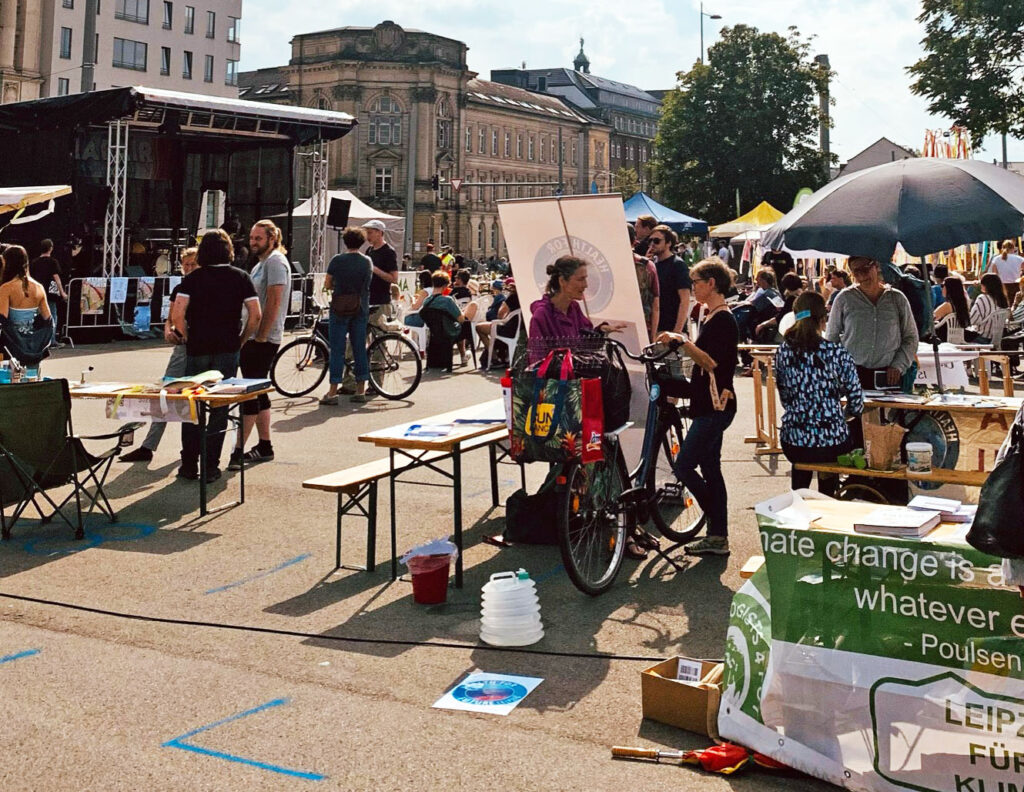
pixel 680 702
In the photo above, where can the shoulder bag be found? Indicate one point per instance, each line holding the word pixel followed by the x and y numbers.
pixel 998 528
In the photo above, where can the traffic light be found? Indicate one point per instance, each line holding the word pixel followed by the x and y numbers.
pixel 435 183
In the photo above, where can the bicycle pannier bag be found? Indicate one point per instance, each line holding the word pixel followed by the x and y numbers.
pixel 345 306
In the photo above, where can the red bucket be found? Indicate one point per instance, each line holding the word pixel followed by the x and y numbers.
pixel 430 578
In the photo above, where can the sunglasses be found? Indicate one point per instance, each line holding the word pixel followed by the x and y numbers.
pixel 656 240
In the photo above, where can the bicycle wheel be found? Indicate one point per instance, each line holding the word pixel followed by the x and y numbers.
pixel 674 511
pixel 592 533
pixel 395 366
pixel 300 366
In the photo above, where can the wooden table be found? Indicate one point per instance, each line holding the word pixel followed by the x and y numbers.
pixel 409 443
pixel 204 403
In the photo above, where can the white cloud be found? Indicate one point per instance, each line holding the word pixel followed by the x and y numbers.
pixel 869 43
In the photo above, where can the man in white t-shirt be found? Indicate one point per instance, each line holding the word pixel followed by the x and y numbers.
pixel 272 278
pixel 1008 266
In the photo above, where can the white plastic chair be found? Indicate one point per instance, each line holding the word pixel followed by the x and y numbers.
pixel 419 335
pixel 510 343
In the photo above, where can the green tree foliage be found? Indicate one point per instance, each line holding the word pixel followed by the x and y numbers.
pixel 746 119
pixel 625 181
pixel 973 72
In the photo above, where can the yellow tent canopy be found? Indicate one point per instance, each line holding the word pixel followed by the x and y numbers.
pixel 757 219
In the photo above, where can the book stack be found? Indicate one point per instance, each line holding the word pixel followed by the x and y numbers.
pixel 898 521
pixel 949 510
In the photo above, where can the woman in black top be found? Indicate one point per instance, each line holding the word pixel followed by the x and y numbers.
pixel 712 404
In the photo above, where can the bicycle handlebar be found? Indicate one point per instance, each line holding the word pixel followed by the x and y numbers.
pixel 651 353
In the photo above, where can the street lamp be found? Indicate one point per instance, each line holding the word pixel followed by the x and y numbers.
pixel 709 16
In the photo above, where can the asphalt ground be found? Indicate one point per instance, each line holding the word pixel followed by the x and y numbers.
pixel 173 652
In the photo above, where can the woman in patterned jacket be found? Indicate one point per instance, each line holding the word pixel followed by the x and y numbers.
pixel 812 375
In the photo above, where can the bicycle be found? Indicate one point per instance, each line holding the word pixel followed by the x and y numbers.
pixel 301 365
pixel 604 501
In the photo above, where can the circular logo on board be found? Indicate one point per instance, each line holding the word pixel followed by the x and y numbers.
pixel 600 283
pixel 939 429
pixel 489 692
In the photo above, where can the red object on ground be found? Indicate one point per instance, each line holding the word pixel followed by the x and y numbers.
pixel 430 578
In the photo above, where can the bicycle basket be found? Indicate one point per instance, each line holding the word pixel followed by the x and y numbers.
pixel 673 374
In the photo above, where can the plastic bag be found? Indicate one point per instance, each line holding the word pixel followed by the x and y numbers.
pixel 428 557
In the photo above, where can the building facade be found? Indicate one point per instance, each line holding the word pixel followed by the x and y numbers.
pixel 21 27
pixel 190 46
pixel 423 114
pixel 631 113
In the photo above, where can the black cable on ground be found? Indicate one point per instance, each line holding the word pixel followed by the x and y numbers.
pixel 322 637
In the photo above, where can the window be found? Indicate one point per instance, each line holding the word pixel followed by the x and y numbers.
pixel 383 179
pixel 208 68
pixel 494 142
pixel 444 124
pixel 168 14
pixel 65 43
pixel 519 146
pixel 63 86
pixel 480 236
pixel 190 19
pixel 231 72
pixel 211 24
pixel 554 150
pixel 573 155
pixel 234 29
pixel 508 144
pixel 482 148
pixel 68 4
pixel 165 60
pixel 129 54
pixel 385 128
pixel 494 236
pixel 529 148
pixel 469 140
pixel 186 65
pixel 132 10
pixel 543 146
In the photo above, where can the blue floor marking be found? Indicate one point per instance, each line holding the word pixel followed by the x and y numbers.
pixel 178 742
pixel 549 574
pixel 258 575
pixel 18 655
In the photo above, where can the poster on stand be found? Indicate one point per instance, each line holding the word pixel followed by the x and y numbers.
pixel 876 663
pixel 118 291
pixel 144 290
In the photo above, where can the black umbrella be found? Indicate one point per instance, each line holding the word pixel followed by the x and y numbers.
pixel 925 204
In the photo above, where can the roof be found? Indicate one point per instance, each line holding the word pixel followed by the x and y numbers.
pixel 199 114
pixel 263 85
pixel 761 216
pixel 642 203
pixel 612 86
pixel 499 94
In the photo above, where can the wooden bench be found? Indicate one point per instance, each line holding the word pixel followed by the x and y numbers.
pixel 356 488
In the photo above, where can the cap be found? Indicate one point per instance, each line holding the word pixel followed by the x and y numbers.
pixel 497 285
pixel 377 224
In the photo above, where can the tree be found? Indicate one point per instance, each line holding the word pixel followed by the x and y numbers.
pixel 973 73
pixel 745 120
pixel 625 181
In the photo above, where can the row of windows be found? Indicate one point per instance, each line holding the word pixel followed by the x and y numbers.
pixel 537 147
pixel 631 153
pixel 138 11
pixel 636 127
pixel 130 54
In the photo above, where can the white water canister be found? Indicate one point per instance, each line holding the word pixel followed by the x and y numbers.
pixel 510 612
pixel 919 458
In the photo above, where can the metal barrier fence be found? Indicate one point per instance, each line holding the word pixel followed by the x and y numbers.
pixel 138 306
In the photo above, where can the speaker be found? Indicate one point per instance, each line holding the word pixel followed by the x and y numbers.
pixel 337 215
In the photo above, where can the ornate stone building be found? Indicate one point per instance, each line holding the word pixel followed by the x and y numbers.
pixel 21 76
pixel 422 113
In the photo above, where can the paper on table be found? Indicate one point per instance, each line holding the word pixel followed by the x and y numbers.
pixel 101 387
pixel 429 430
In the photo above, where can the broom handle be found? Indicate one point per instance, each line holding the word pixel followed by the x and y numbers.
pixel 625 752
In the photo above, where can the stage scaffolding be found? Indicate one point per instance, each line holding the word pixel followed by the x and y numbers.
pixel 318 208
pixel 117 184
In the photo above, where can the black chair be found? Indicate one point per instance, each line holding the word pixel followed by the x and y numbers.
pixel 440 345
pixel 39 451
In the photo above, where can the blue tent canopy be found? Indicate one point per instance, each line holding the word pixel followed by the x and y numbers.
pixel 642 203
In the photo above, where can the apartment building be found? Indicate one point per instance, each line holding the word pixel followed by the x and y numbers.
pixel 188 46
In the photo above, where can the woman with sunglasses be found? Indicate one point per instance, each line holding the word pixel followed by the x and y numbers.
pixel 712 403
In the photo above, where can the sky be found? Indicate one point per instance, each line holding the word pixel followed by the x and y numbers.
pixel 869 43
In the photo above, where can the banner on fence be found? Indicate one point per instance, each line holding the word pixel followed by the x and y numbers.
pixel 94 295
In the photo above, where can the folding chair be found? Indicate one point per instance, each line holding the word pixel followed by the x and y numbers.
pixel 39 451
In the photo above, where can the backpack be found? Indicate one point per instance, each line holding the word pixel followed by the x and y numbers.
pixel 917 292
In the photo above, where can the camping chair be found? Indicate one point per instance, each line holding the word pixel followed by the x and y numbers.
pixel 39 451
